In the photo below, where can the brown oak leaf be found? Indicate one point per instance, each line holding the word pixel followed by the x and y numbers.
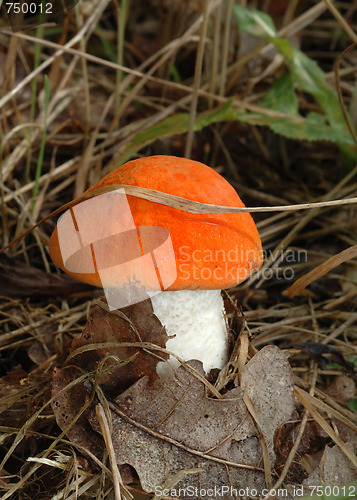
pixel 133 324
pixel 174 427
pixel 115 375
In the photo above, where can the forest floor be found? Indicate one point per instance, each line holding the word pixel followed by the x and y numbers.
pixel 251 93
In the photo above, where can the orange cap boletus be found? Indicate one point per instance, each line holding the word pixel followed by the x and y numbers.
pixel 122 242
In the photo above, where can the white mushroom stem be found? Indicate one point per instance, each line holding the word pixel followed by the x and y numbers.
pixel 197 321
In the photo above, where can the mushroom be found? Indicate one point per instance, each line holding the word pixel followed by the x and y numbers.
pixel 135 249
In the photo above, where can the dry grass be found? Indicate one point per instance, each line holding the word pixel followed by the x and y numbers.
pixel 102 95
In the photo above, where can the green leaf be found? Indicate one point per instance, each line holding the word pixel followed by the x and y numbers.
pixel 352 403
pixel 312 128
pixel 305 131
pixel 318 129
pixel 306 73
pixel 176 124
pixel 311 79
pixel 281 96
pixel 255 22
pixel 174 73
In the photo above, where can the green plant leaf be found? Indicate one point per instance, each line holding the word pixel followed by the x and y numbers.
pixel 352 403
pixel 312 128
pixel 176 124
pixel 306 73
pixel 255 22
pixel 311 79
pixel 308 77
pixel 281 96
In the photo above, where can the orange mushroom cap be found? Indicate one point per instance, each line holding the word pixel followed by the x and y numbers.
pixel 114 239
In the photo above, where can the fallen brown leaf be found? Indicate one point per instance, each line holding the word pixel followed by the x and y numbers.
pixel 334 470
pixel 311 444
pixel 134 324
pixel 19 280
pixel 174 427
pixel 69 405
pixel 342 388
pixel 108 365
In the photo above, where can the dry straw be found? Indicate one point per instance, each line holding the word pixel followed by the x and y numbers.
pixel 180 203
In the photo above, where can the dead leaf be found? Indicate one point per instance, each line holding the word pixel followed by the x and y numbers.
pixel 311 445
pixel 308 402
pixel 68 404
pixel 19 280
pixel 342 388
pixel 268 380
pixel 334 470
pixel 173 427
pixel 69 407
pixel 115 375
pixel 41 350
pixel 134 324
